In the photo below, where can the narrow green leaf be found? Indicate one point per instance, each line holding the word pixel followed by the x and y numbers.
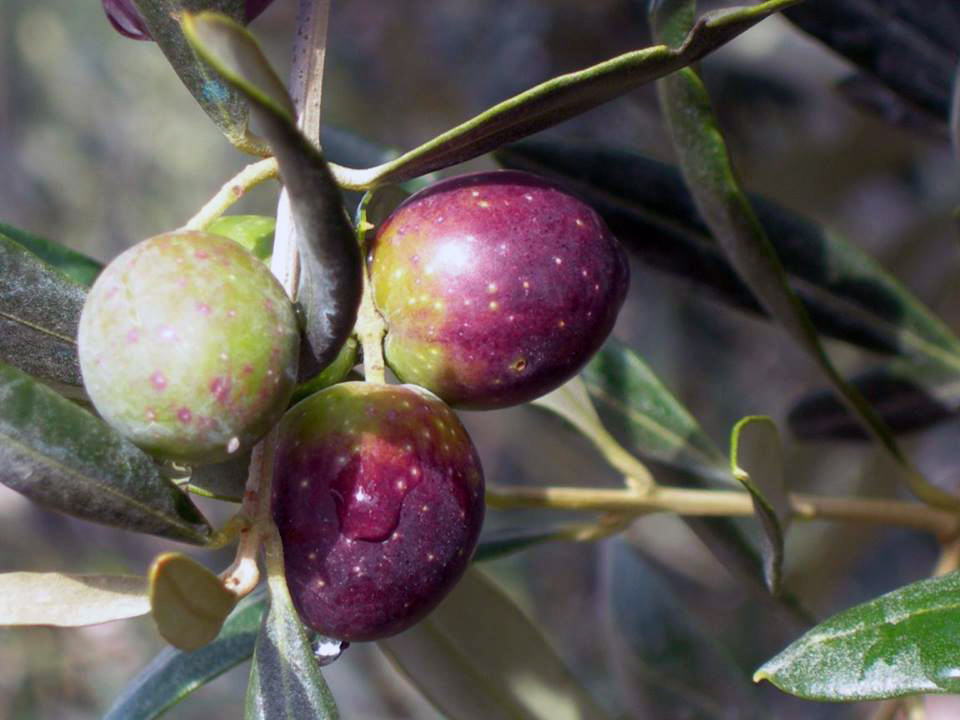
pixel 641 411
pixel 222 481
pixel 254 232
pixel 332 278
pixel 285 679
pixel 909 46
pixel 710 175
pixel 333 373
pixel 756 461
pixel 70 600
pixel 225 106
pixel 188 602
pixel 39 313
pixel 564 97
pixel 847 293
pixel 671 665
pixel 173 674
pixel 507 541
pixel 909 396
pixel 477 655
pixel 900 643
pixel 61 456
pixel 76 266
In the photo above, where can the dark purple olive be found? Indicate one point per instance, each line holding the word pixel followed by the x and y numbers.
pixel 127 20
pixel 378 497
pixel 496 287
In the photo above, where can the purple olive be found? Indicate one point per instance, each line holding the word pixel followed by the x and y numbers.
pixel 127 20
pixel 188 346
pixel 378 497
pixel 496 287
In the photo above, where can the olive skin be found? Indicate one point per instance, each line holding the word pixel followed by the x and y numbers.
pixel 378 498
pixel 188 346
pixel 496 287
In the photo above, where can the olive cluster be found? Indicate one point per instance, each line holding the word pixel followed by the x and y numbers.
pixel 495 288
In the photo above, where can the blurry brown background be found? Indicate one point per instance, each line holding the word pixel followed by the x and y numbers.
pixel 100 147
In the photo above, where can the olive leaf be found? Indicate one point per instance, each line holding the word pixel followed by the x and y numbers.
pixel 222 481
pixel 847 293
pixel 563 97
pixel 225 106
pixel 709 173
pixel 470 654
pixel 900 643
pixel 756 461
pixel 188 602
pixel 668 664
pixel 173 674
pixel 254 232
pixel 61 456
pixel 76 266
pixel 39 313
pixel 285 678
pixel 64 600
pixel 332 267
pixel 910 47
pixel 908 395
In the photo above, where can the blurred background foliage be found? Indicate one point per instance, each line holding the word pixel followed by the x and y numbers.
pixel 100 146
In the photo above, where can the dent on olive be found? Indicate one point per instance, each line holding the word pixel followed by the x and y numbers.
pixel 378 497
pixel 188 346
pixel 496 287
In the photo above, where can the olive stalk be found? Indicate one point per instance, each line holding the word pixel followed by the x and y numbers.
pixel 683 501
pixel 232 190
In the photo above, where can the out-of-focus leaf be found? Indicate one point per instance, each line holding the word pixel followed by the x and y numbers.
pixel 477 655
pixel 900 643
pixel 909 396
pixel 174 674
pixel 500 543
pixel 76 266
pixel 564 97
pixel 254 232
pixel 285 679
pixel 667 664
pixel 39 313
pixel 61 456
pixel 225 106
pixel 63 600
pixel 332 266
pixel 223 481
pixel 640 410
pixel 873 97
pixel 846 292
pixel 709 173
pixel 189 603
pixel 757 462
pixel 909 46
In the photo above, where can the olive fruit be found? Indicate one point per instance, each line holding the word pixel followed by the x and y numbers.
pixel 496 287
pixel 378 497
pixel 127 20
pixel 188 346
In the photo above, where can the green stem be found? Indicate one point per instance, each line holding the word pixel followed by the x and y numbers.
pixel 234 189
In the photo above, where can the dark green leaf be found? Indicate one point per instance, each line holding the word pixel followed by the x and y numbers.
pixel 332 267
pixel 847 293
pixel 909 396
pixel 223 481
pixel 710 175
pixel 188 602
pixel 564 97
pixel 74 265
pixel 909 46
pixel 757 462
pixel 333 373
pixel 39 313
pixel 642 412
pixel 477 655
pixel 670 666
pixel 174 674
pixel 500 543
pixel 873 97
pixel 285 679
pixel 61 456
pixel 225 106
pixel 900 643
pixel 254 232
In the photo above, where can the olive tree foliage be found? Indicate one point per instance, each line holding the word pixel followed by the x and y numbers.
pixel 480 654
